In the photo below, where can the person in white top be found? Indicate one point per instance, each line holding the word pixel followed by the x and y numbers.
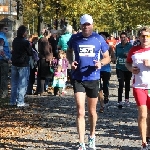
pixel 138 62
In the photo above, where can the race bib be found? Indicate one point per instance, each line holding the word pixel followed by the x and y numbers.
pixel 87 50
pixel 121 61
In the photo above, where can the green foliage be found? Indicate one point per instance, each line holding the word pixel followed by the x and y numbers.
pixel 109 15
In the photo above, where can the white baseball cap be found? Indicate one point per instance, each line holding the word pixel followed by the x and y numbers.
pixel 86 19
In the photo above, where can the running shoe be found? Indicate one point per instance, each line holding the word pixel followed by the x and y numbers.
pixel 91 143
pixel 82 146
pixel 144 146
pixel 127 103
pixel 101 109
pixel 148 142
pixel 120 105
pixel 106 100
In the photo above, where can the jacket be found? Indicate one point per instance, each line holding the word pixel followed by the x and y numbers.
pixel 45 50
pixel 6 46
pixel 63 41
pixel 21 50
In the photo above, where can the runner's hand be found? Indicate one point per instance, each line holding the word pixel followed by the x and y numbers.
pixel 74 65
pixel 146 62
pixel 135 70
pixel 9 61
pixel 97 64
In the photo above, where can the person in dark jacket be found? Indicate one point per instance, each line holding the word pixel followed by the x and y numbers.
pixel 46 57
pixel 21 50
pixel 53 40
pixel 33 65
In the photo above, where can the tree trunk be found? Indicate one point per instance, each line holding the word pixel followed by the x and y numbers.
pixel 19 20
pixel 40 19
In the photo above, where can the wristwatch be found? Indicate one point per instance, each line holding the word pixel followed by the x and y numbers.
pixel 102 64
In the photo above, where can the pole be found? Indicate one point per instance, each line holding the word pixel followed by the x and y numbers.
pixel 40 19
pixel 33 25
pixel 29 28
pixel 57 13
pixel 19 20
pixel 10 8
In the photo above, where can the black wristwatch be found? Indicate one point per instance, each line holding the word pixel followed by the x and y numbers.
pixel 102 64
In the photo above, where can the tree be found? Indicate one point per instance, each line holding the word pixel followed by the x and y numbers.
pixel 108 15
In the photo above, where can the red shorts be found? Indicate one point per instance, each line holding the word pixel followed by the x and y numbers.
pixel 141 97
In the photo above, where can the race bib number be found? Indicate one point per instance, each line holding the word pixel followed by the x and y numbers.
pixel 121 61
pixel 87 50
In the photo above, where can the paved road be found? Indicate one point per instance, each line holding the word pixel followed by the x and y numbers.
pixel 49 123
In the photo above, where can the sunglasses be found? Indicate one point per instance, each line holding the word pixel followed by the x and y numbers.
pixel 145 36
pixel 5 28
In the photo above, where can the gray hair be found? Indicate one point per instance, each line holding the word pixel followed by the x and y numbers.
pixel 68 29
pixel 53 31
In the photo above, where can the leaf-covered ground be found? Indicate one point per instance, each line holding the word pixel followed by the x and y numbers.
pixel 49 123
pixel 18 126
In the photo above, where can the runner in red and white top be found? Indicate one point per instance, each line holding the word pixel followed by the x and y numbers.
pixel 138 62
pixel 137 56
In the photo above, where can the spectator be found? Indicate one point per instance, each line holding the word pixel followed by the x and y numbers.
pixel 53 40
pixel 33 66
pixel 20 67
pixel 59 81
pixel 4 61
pixel 46 56
pixel 64 63
pixel 62 43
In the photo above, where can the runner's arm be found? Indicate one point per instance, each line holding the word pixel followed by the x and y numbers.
pixel 106 58
pixel 129 62
pixel 128 66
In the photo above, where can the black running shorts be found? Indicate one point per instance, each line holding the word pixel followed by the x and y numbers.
pixel 91 88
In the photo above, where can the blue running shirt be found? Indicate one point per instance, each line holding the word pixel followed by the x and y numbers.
pixel 106 68
pixel 86 50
